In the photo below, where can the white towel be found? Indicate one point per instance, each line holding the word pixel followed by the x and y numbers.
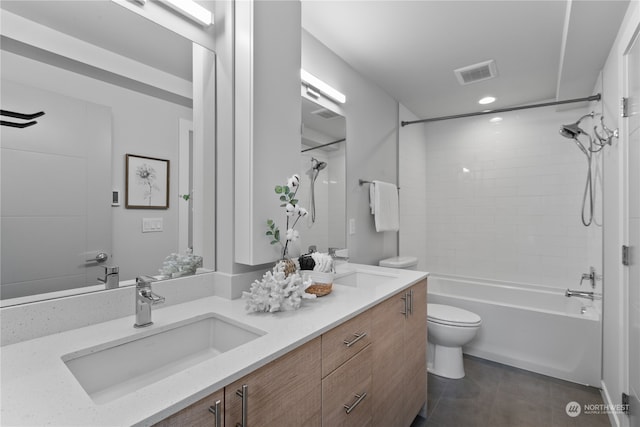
pixel 384 206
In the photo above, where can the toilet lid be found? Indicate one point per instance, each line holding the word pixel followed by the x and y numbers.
pixel 448 315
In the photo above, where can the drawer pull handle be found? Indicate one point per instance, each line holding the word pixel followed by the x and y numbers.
pixel 411 302
pixel 215 410
pixel 359 398
pixel 244 394
pixel 357 338
pixel 406 306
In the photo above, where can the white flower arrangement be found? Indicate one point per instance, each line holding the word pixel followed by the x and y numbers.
pixel 293 213
pixel 277 292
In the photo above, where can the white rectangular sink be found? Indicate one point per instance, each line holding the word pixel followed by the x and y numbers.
pixel 359 278
pixel 111 370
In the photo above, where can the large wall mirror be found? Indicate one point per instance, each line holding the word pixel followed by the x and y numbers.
pixel 323 167
pixel 110 83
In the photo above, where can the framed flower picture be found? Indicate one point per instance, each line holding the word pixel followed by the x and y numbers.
pixel 147 183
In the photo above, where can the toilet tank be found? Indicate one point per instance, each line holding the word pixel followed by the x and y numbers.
pixel 404 262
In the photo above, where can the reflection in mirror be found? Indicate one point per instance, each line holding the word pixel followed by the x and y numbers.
pixel 105 94
pixel 323 168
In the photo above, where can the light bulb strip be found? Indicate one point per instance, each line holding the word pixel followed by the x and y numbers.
pixel 319 86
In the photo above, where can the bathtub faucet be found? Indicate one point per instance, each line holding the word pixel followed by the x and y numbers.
pixel 582 294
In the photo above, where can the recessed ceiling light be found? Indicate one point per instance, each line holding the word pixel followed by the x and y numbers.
pixel 496 120
pixel 487 100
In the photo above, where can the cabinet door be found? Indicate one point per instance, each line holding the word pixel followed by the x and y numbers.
pixel 415 346
pixel 286 392
pixel 198 414
pixel 388 362
pixel 267 56
pixel 346 393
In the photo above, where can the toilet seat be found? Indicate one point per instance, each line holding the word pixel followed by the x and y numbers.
pixel 452 316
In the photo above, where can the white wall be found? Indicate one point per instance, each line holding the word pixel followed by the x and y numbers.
pixel 504 199
pixel 614 341
pixel 371 145
pixel 413 201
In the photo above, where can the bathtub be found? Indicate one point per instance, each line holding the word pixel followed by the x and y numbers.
pixel 535 328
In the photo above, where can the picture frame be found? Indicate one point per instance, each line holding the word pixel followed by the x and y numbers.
pixel 146 182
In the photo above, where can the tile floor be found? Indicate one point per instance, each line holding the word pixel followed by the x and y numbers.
pixel 495 395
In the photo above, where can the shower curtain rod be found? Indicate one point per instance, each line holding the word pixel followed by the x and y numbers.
pixel 595 97
pixel 323 145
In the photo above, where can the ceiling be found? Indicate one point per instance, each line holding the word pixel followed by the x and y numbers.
pixel 544 50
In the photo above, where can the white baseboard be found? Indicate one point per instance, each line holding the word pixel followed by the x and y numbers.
pixel 613 416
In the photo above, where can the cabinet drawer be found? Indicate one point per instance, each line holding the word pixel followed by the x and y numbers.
pixel 342 342
pixel 346 393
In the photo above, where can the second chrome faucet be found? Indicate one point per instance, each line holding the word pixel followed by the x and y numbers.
pixel 145 298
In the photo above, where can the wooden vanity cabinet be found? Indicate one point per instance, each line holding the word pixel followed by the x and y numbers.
pixel 200 414
pixel 399 360
pixel 368 371
pixel 285 392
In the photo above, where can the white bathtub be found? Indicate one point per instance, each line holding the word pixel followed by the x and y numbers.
pixel 535 328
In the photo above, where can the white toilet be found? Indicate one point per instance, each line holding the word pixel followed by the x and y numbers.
pixel 449 329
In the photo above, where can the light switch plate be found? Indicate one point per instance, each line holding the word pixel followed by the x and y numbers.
pixel 151 225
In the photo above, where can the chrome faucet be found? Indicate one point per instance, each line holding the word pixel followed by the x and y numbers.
pixel 145 298
pixel 111 277
pixel 591 276
pixel 582 294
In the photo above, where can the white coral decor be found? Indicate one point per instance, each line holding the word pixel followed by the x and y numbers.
pixel 276 292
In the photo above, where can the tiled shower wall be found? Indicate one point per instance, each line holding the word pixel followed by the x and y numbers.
pixel 503 200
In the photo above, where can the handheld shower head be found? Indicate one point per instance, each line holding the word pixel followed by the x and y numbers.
pixel 572 130
pixel 317 165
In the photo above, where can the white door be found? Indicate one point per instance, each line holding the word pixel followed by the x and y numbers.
pixel 56 187
pixel 633 309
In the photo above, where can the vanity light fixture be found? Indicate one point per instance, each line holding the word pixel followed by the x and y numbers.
pixel 487 100
pixel 316 85
pixel 192 10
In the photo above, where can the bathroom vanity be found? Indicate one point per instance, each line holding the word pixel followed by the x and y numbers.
pixel 360 349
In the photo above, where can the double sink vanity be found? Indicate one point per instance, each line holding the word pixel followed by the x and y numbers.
pixel 354 357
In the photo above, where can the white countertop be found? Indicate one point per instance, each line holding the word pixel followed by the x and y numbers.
pixel 38 389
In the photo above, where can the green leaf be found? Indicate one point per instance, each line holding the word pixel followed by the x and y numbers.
pixel 269 222
pixel 269 233
pixel 279 189
pixel 283 205
pixel 294 201
pixel 283 198
pixel 273 242
pixel 277 235
pixel 286 190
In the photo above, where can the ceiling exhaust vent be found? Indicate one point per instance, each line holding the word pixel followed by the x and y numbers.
pixel 325 113
pixel 476 73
